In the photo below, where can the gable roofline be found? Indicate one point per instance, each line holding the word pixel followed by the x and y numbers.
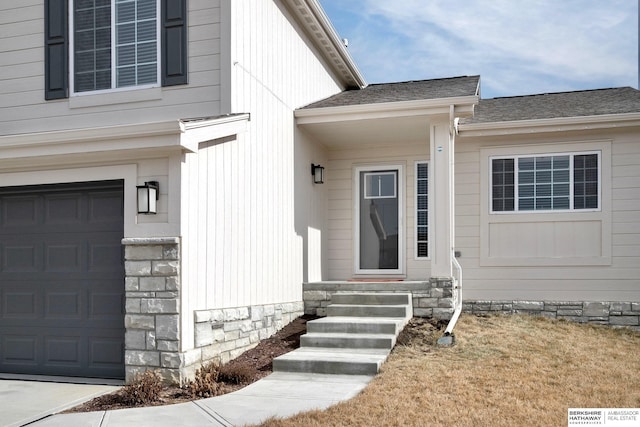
pixel 400 99
pixel 318 27
pixel 463 107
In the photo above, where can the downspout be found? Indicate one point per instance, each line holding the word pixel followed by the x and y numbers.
pixel 448 338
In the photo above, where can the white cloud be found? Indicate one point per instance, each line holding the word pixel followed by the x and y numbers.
pixel 518 47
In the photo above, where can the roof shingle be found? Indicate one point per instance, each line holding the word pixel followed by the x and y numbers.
pixel 403 91
pixel 556 105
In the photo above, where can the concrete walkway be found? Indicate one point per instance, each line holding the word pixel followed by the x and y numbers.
pixel 281 394
pixel 22 402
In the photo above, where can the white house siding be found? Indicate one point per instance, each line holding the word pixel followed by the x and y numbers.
pixel 342 163
pixel 23 108
pixel 244 190
pixel 595 258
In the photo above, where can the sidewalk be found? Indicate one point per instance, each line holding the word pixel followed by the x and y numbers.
pixel 31 398
pixel 281 394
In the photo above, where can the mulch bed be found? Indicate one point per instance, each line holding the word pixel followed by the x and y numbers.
pixel 255 363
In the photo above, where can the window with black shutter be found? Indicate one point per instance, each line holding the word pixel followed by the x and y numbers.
pixel 101 45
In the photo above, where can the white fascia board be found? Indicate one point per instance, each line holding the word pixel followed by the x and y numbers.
pixel 549 125
pixel 196 132
pixel 170 135
pixel 68 136
pixel 318 27
pixel 91 140
pixel 335 39
pixel 463 107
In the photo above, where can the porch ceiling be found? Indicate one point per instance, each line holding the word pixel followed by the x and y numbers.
pixel 378 131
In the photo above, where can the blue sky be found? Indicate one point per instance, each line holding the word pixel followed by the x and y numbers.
pixel 518 47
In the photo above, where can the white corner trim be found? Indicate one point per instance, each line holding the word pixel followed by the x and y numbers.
pixel 550 125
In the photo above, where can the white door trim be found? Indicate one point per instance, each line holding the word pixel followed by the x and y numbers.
pixel 400 168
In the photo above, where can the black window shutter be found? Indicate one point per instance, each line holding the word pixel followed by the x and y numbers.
pixel 174 42
pixel 55 49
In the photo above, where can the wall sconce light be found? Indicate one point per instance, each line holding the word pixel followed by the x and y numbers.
pixel 148 198
pixel 318 174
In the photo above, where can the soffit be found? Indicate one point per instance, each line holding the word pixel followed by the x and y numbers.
pixel 318 27
pixel 369 132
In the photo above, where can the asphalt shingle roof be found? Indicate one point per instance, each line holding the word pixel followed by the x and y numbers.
pixel 556 105
pixel 403 91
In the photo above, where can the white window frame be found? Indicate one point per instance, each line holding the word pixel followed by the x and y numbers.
pixel 571 154
pixel 113 88
pixel 415 222
pixel 395 184
pixel 400 271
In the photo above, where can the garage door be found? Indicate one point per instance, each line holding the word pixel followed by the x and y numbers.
pixel 62 280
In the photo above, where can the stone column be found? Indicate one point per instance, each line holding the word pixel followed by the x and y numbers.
pixel 152 319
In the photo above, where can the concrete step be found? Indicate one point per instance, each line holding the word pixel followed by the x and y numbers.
pixel 331 361
pixel 371 298
pixel 347 340
pixel 356 325
pixel 353 310
pixel 354 339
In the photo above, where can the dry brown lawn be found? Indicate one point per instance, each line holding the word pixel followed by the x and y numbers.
pixel 503 371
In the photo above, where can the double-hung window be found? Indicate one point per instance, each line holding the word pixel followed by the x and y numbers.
pixel 102 45
pixel 558 182
pixel 115 44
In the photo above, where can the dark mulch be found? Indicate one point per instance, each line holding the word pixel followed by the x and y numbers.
pixel 256 363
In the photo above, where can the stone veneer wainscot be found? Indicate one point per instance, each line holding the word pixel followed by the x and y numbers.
pixel 431 298
pixel 152 319
pixel 152 307
pixel 617 314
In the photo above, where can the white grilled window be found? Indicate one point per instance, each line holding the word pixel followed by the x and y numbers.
pixel 562 182
pixel 115 44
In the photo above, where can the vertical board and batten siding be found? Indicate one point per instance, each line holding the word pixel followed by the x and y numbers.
pixel 617 281
pixel 23 108
pixel 340 170
pixel 253 244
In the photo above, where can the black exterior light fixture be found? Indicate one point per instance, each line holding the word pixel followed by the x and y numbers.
pixel 148 198
pixel 318 174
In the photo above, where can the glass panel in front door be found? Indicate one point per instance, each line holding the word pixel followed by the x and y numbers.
pixel 379 220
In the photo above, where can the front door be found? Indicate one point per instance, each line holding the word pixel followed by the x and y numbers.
pixel 379 225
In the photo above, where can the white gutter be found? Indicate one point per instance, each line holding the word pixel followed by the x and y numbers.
pixel 463 107
pixel 318 27
pixel 549 125
pixel 337 42
pixel 167 135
